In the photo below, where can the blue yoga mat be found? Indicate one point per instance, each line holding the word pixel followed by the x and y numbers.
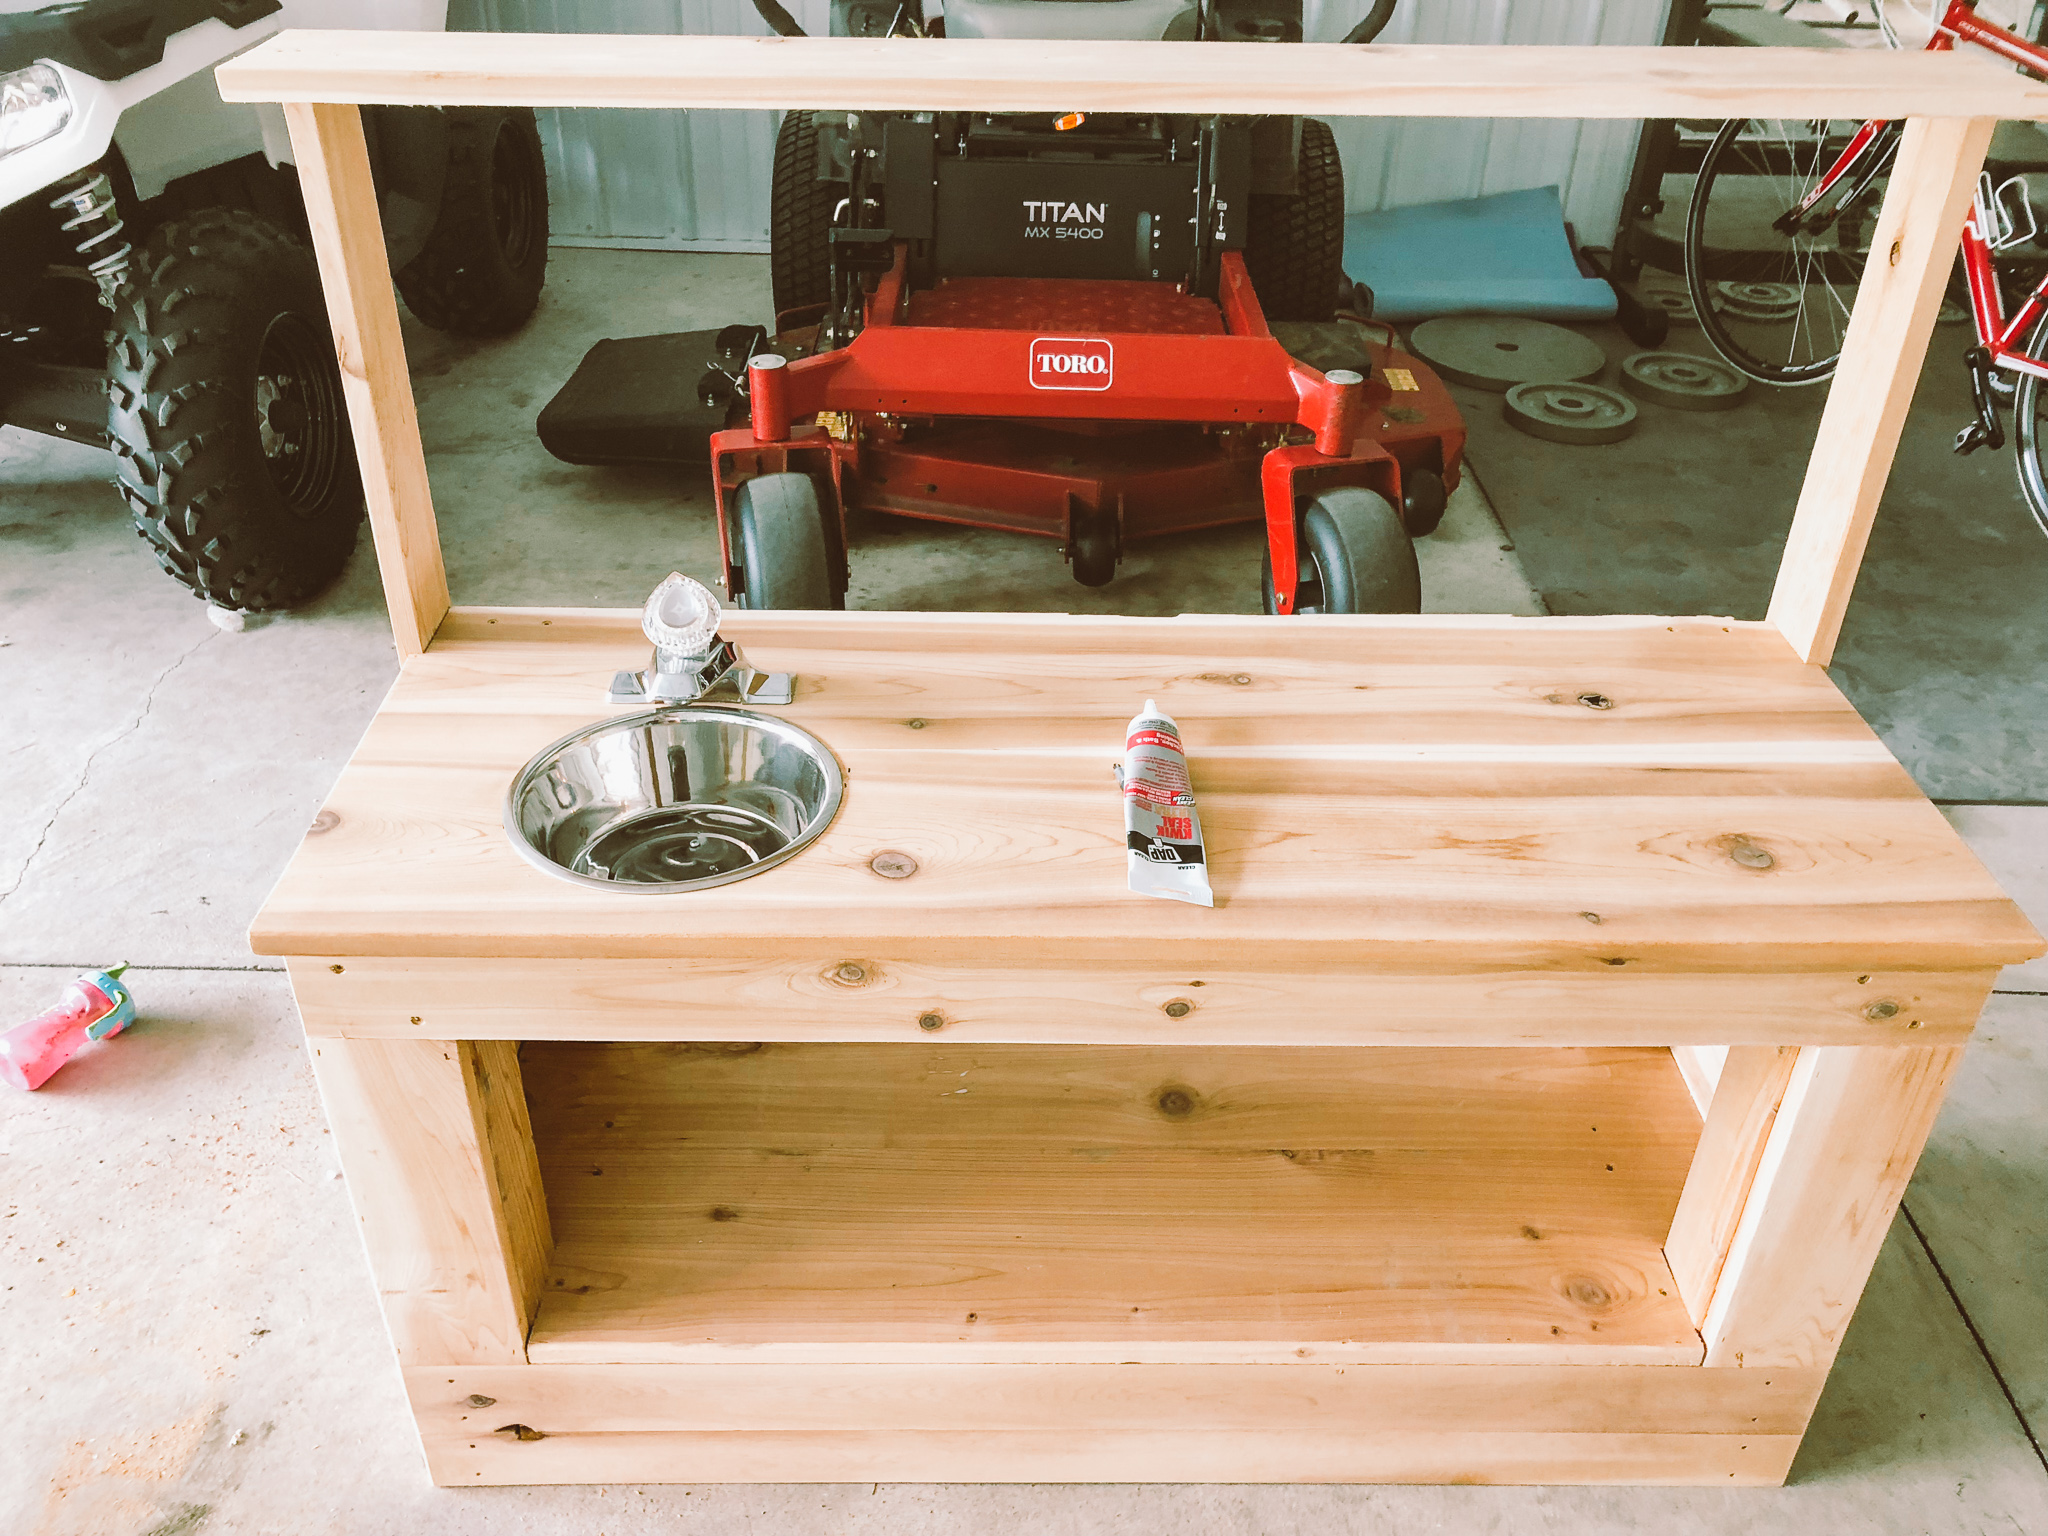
pixel 1501 255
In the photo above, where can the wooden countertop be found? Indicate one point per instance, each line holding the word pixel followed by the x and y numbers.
pixel 1421 793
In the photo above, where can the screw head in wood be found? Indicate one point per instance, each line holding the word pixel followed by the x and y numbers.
pixel 891 865
pixel 1883 1009
pixel 1179 1008
pixel 929 1021
pixel 335 968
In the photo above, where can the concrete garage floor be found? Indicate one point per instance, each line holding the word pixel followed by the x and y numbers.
pixel 191 1339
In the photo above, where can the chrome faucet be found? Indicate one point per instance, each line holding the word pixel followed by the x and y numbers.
pixel 692 662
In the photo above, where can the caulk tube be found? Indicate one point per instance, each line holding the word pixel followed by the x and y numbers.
pixel 1161 829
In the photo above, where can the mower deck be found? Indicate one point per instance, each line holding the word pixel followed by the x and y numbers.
pixel 1072 408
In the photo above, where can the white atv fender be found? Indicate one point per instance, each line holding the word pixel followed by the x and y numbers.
pixel 168 119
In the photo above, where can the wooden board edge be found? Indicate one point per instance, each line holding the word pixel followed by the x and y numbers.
pixel 1411 80
pixel 359 997
pixel 1109 1423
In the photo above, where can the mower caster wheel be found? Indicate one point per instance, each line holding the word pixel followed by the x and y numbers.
pixel 778 542
pixel 1423 499
pixel 1093 550
pixel 1355 557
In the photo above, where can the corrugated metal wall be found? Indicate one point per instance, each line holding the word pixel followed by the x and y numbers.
pixel 699 180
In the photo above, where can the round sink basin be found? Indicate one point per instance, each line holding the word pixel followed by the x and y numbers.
pixel 672 800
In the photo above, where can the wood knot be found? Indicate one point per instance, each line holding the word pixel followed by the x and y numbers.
pixel 1176 1103
pixel 724 1213
pixel 1588 1292
pixel 931 1020
pixel 1179 1008
pixel 478 1400
pixel 850 973
pixel 326 821
pixel 519 1432
pixel 1747 853
pixel 891 865
pixel 1596 701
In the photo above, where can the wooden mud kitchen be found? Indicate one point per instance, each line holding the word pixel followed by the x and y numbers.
pixel 1530 1107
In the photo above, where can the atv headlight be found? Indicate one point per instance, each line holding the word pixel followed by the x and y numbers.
pixel 33 106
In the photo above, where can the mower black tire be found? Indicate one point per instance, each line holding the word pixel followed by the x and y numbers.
pixel 226 416
pixel 799 219
pixel 778 542
pixel 1093 551
pixel 1294 241
pixel 1355 557
pixel 481 270
pixel 1423 501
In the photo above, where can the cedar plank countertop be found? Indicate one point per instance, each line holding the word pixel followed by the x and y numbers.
pixel 1420 793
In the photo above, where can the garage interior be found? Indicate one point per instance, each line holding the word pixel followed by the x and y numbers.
pixel 194 1324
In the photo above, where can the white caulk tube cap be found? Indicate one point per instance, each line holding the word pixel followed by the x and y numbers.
pixel 681 616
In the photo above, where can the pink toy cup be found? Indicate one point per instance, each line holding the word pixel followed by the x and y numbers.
pixel 93 1007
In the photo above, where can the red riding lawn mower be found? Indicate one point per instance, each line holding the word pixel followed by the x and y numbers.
pixel 1096 327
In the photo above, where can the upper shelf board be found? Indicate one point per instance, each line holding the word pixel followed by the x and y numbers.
pixel 588 69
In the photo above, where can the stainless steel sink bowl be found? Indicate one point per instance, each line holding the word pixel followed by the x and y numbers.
pixel 676 799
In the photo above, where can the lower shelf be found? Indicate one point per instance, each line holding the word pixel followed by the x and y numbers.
pixel 934 1203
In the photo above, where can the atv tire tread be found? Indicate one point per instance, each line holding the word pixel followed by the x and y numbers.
pixel 186 442
pixel 461 281
pixel 1294 242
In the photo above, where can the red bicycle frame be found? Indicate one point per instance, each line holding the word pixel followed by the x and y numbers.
pixel 1999 334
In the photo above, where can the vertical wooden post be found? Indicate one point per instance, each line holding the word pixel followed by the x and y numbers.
pixel 1911 256
pixel 434 1139
pixel 348 239
pixel 1739 1114
pixel 1847 1133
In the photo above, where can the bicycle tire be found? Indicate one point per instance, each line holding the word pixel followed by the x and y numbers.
pixel 2027 438
pixel 1741 152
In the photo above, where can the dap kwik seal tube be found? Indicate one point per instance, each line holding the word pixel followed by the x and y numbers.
pixel 1161 830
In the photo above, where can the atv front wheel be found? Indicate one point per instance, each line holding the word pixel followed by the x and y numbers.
pixel 481 270
pixel 227 417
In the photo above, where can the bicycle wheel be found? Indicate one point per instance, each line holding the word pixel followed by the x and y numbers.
pixel 1753 174
pixel 2028 402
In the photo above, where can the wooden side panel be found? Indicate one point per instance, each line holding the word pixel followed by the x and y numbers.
pixel 1848 1131
pixel 1740 1114
pixel 348 239
pixel 1912 255
pixel 858 998
pixel 1111 1423
pixel 451 1229
pixel 498 1104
